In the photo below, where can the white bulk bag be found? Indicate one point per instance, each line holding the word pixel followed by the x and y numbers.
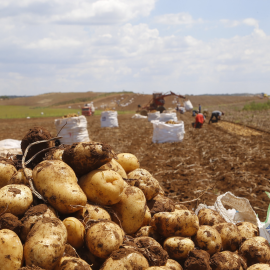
pixel 188 105
pixel 168 132
pixel 10 146
pixel 74 130
pixel 153 116
pixel 164 117
pixel 138 116
pixel 109 119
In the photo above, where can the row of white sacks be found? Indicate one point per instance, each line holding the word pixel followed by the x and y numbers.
pixel 162 117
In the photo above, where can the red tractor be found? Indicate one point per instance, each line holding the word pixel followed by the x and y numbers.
pixel 157 102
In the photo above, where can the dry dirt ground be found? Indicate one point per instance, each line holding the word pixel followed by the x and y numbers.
pixel 211 156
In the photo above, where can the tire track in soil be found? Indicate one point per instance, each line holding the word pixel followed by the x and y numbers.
pixel 206 156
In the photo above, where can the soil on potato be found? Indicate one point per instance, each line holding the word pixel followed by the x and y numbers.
pixel 208 156
pixel 11 222
pixel 31 268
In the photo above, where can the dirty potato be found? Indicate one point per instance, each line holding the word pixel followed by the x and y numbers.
pixel 181 223
pixel 75 232
pixel 11 255
pixel 115 166
pixel 142 179
pixel 7 170
pixel 128 161
pixel 86 157
pixel 71 263
pixel 102 186
pixel 15 199
pixel 148 231
pixel 173 265
pixel 178 247
pixel 199 260
pixel 147 217
pixel 103 238
pixel 130 210
pixel 247 230
pixel 19 177
pixel 210 217
pixel 260 266
pixel 57 183
pixel 160 203
pixel 208 239
pixel 230 236
pixel 45 243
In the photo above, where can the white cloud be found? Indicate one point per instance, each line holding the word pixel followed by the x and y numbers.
pixel 234 23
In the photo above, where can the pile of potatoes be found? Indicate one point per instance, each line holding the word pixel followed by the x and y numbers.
pixel 102 211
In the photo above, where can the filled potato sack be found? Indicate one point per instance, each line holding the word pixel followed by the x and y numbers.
pixel 144 180
pixel 86 157
pixel 255 250
pixel 160 204
pixel 71 263
pixel 198 259
pixel 19 177
pixel 178 248
pixel 75 232
pixel 102 186
pixel 260 266
pixel 208 239
pixel 57 183
pixel 7 170
pixel 225 261
pixel 45 244
pixel 130 210
pixel 92 212
pixel 125 259
pixel 247 230
pixel 128 161
pixel 115 166
pixel 181 223
pixel 33 215
pixel 103 238
pixel 11 255
pixel 173 265
pixel 230 236
pixel 15 199
pixel 210 217
pixel 10 222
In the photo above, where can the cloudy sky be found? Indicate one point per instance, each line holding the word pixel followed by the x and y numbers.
pixel 187 46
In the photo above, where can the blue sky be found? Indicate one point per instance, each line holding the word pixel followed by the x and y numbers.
pixel 190 47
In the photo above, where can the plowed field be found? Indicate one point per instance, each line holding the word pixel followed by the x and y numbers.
pixel 211 156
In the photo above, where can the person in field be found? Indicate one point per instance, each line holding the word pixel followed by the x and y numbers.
pixel 216 115
pixel 199 120
pixel 200 108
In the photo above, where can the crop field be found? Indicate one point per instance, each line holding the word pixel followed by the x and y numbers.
pixel 209 161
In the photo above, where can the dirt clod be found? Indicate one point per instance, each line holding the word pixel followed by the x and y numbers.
pixel 11 222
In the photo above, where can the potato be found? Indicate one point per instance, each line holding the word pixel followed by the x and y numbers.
pixel 173 265
pixel 198 259
pixel 225 261
pixel 181 223
pixel 210 217
pixel 158 268
pixel 247 230
pixel 11 255
pixel 142 179
pixel 147 217
pixel 125 259
pixel 179 206
pixel 230 236
pixel 130 210
pixel 92 212
pixel 86 157
pixel 160 204
pixel 57 183
pixel 55 153
pixel 259 266
pixel 241 259
pixel 208 239
pixel 255 250
pixel 6 172
pixel 178 247
pixel 19 177
pixel 102 186
pixel 148 231
pixel 75 232
pixel 115 166
pixel 33 215
pixel 128 161
pixel 15 199
pixel 71 263
pixel 103 238
pixel 45 244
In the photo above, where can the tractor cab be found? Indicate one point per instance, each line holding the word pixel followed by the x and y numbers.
pixel 86 111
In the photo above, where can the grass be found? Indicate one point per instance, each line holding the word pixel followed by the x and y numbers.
pixel 9 112
pixel 253 106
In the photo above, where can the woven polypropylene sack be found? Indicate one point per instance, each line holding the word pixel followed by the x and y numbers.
pixel 74 129
pixel 153 116
pixel 164 117
pixel 109 119
pixel 188 105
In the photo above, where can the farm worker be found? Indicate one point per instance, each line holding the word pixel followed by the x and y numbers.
pixel 217 115
pixel 200 108
pixel 199 120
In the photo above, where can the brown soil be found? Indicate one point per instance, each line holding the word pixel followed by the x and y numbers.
pixel 198 260
pixel 11 222
pixel 160 204
pixel 35 211
pixel 206 157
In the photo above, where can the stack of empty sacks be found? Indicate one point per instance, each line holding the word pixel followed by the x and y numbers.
pixel 109 119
